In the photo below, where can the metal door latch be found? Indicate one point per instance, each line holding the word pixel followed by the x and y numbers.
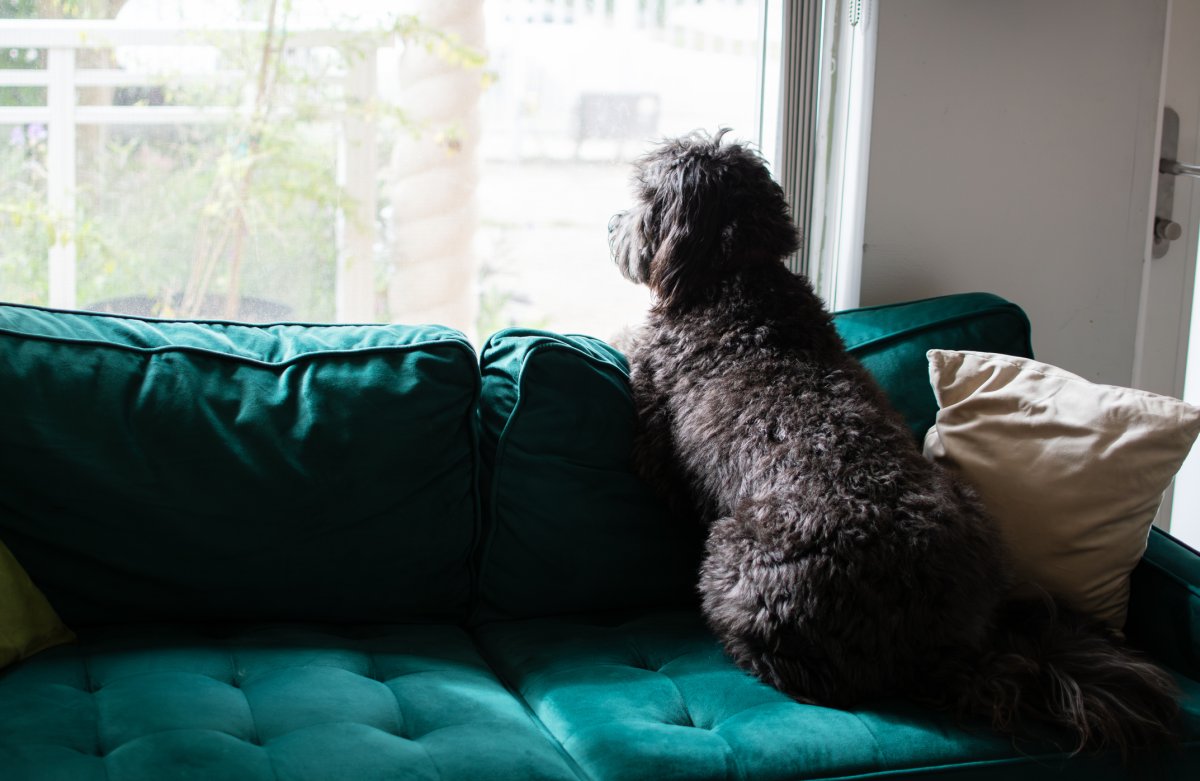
pixel 1166 229
pixel 1176 168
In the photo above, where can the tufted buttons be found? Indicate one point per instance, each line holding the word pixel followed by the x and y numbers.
pixel 266 702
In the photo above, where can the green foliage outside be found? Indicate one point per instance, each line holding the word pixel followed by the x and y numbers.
pixel 25 226
pixel 198 220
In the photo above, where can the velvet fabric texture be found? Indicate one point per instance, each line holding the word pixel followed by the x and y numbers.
pixel 169 470
pixel 891 342
pixel 1164 603
pixel 28 624
pixel 269 702
pixel 651 696
pixel 570 527
pixel 642 695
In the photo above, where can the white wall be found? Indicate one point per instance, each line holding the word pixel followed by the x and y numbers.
pixel 1012 151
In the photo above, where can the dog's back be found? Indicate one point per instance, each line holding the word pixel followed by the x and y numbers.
pixel 841 562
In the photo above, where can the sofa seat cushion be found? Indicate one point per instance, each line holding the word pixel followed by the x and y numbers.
pixel 653 696
pixel 267 702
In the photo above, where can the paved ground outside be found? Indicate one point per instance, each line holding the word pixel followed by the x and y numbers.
pixel 543 248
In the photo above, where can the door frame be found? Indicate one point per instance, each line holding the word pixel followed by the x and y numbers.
pixel 1165 323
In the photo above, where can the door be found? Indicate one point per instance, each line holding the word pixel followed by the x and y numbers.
pixel 1168 360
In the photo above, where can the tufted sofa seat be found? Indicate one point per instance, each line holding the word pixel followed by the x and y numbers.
pixel 643 696
pixel 652 696
pixel 365 552
pixel 266 702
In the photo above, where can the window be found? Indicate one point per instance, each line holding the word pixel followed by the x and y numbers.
pixel 271 160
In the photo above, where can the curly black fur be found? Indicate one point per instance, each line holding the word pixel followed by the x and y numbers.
pixel 841 565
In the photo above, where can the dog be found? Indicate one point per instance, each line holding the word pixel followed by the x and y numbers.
pixel 840 564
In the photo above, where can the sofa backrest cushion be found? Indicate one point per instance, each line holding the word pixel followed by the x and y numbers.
pixel 891 341
pixel 571 529
pixel 154 469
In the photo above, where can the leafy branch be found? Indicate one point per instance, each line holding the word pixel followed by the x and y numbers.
pixel 216 191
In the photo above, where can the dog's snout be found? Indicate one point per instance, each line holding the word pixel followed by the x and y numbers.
pixel 614 224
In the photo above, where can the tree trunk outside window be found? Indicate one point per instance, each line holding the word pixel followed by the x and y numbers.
pixel 433 174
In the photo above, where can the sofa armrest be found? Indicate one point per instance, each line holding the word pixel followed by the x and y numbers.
pixel 1164 604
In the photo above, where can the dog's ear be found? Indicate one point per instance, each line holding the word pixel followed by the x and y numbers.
pixel 694 230
pixel 716 209
pixel 764 226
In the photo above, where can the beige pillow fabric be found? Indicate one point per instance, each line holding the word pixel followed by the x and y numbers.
pixel 1072 471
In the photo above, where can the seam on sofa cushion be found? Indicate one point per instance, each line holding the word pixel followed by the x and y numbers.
pixel 992 298
pixel 492 525
pixel 502 446
pixel 98 745
pixel 180 348
pixel 880 758
pixel 233 668
pixel 430 334
pixel 478 526
pixel 733 757
pixel 926 300
pixel 424 748
pixel 533 717
pixel 147 319
pixel 1009 309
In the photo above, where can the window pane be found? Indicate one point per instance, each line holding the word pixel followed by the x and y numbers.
pixel 26 225
pixel 579 95
pixel 169 214
pixel 456 164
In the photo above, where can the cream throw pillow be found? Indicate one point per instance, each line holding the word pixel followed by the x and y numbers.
pixel 1072 471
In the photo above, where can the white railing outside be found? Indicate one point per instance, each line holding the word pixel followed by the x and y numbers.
pixel 62 114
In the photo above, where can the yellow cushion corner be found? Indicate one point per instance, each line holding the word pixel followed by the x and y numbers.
pixel 28 624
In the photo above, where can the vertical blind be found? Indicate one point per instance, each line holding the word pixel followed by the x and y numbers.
pixel 826 91
pixel 800 64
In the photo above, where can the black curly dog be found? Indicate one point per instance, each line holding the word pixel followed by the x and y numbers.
pixel 841 565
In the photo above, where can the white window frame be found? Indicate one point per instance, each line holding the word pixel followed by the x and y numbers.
pixel 62 38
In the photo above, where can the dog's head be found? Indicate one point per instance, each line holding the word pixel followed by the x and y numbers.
pixel 704 210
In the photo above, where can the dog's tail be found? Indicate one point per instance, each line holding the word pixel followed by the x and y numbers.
pixel 1050 666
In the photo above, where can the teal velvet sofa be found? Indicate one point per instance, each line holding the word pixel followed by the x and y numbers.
pixel 366 552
